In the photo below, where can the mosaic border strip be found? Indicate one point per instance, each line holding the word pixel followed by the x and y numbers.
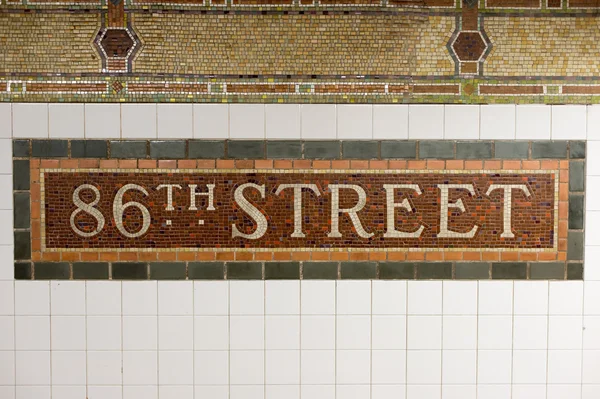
pixel 354 153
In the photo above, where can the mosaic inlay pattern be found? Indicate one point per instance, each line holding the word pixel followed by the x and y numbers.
pixel 429 209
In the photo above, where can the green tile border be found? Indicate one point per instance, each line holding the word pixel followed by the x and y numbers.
pixel 572 269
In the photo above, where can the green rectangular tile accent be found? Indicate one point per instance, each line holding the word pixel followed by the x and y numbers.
pixel 206 270
pixel 167 271
pixel 50 148
pixel 284 149
pixel 358 270
pixel 396 271
pixel 436 149
pixel 22 242
pixel 548 149
pixel 434 270
pixel 246 149
pixel 576 211
pixel 20 148
pixel 128 149
pixel 473 149
pixel 51 271
pixel 21 210
pixel 171 149
pixel 574 271
pixel 23 271
pixel 360 149
pixel 575 245
pixel 398 149
pixel 244 271
pixel 322 149
pixel 320 271
pixel 514 271
pixel 200 149
pixel 89 149
pixel 576 176
pixel 472 270
pixel 282 270
pixel 129 271
pixel 511 149
pixel 547 271
pixel 90 271
pixel 21 175
pixel 576 149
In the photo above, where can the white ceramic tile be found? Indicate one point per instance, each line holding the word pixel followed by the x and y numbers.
pixel 211 297
pixel 140 368
pixel 211 367
pixel 246 367
pixel 32 332
pixel 68 333
pixel 529 367
pixel 8 392
pixel 211 121
pixel 176 391
pixel 246 121
pixel 104 367
pixel 176 367
pixel 318 391
pixel 353 297
pixel 459 367
pixel 282 367
pixel 7 267
pixel 461 122
pixel 564 367
pixel 282 297
pixel 592 158
pixel 102 121
pixel 352 391
pixel 33 392
pixel 555 391
pixel 424 367
pixel 432 391
pixel 317 332
pixel 246 297
pixel 389 332
pixel 389 297
pixel 67 297
pixel 459 332
pixel 32 297
pixel 7 333
pixel 355 121
pixel 317 297
pixel 211 391
pixel 282 332
pixel 66 121
pixel 495 332
pixel 531 297
pixel 32 367
pixel 424 332
pixel 591 298
pixel 104 332
pixel 69 392
pixel 68 368
pixel 211 332
pixel 5 121
pixel 138 121
pixel 591 332
pixel 7 298
pixel 174 121
pixel 140 391
pixel 573 290
pixel 103 391
pixel 282 121
pixel 353 332
pixel 175 297
pixel 530 332
pixel 425 121
pixel 282 391
pixel 140 298
pixel 459 391
pixel 590 367
pixel 352 366
pixel 140 332
pixel 6 196
pixel 175 332
pixel 565 332
pixel 494 366
pixel 30 120
pixel 425 297
pixel 103 298
pixel 533 122
pixel 592 193
pixel 531 391
pixel 246 392
pixel 390 121
pixel 592 229
pixel 496 391
pixel 7 368
pixel 317 367
pixel 6 238
pixel 388 391
pixel 246 332
pixel 593 122
pixel 318 121
pixel 460 297
pixel 569 122
pixel 388 366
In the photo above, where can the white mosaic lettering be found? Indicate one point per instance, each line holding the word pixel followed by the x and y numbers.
pixel 391 231
pixel 169 188
pixel 445 205
pixel 298 204
pixel 87 208
pixel 507 216
pixel 252 211
pixel 119 210
pixel 209 194
pixel 352 212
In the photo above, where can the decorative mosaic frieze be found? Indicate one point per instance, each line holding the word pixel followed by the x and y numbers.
pixel 132 207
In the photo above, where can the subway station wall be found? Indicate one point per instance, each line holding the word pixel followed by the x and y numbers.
pixel 340 327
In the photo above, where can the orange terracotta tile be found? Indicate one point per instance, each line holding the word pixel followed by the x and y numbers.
pixel 377 255
pixel 34 163
pixel 210 164
pixel 187 256
pixel 354 164
pixel 434 256
pixel 339 255
pixel 282 256
pixel 452 255
pixel 435 164
pixel 550 164
pixel 564 164
pixel 473 165
pixel 562 245
pixel 378 164
pixel 225 255
pixel 300 255
pixel 359 256
pixel 455 164
pixel 89 163
pixel 263 256
pixel 36 256
pixel 527 256
pixel 147 164
pixel 511 165
pixel 167 164
pixel 69 163
pixel 321 165
pixel 283 164
pixel 509 256
pixel 51 256
pixel 70 256
pixel 471 255
pixel 128 164
pixel 147 256
pixel 397 164
pixel 167 256
pixel 564 176
pixel 563 210
pixel 244 255
pixel 49 163
pixel 340 164
pixel 413 255
pixel 417 164
pixel 561 256
pixel 563 191
pixel 490 256
pixel 396 255
pixel 263 164
pixel 89 256
pixel 109 164
pixel 492 165
pixel 319 255
pixel 128 256
pixel 546 256
pixel 202 256
pixel 531 165
pixel 302 164
pixel 187 164
pixel 108 256
pixel 244 164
